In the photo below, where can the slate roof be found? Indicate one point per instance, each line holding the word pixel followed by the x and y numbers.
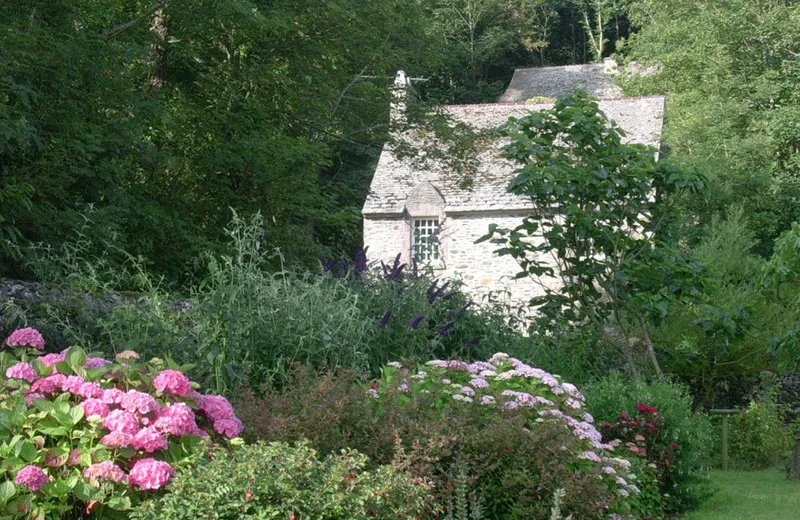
pixel 554 82
pixel 640 118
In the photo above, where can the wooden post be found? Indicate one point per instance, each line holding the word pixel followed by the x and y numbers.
pixel 726 414
pixel 725 442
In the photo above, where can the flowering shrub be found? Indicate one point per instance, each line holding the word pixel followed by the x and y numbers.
pixel 548 414
pixel 640 432
pixel 656 424
pixel 277 480
pixel 86 435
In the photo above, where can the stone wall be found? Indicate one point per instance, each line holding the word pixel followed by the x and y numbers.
pixel 481 270
pixel 384 237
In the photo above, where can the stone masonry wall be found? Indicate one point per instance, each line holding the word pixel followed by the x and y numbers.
pixel 481 270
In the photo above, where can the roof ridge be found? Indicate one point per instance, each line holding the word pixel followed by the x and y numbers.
pixel 524 103
pixel 561 66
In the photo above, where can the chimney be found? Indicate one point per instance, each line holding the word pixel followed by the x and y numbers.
pixel 610 66
pixel 399 93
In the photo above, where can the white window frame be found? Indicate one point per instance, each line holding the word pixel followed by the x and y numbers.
pixel 423 249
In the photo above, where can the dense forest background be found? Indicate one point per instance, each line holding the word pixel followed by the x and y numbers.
pixel 162 116
pixel 155 119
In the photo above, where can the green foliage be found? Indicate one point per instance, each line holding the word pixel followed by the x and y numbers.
pixel 52 422
pixel 730 72
pixel 244 324
pixel 485 460
pixel 737 327
pixel 257 100
pixel 277 480
pixel 759 437
pixel 685 484
pixel 601 221
pixel 164 118
pixel 578 354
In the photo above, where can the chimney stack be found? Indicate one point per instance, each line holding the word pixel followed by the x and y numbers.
pixel 399 93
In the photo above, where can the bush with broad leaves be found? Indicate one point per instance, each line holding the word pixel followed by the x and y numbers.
pixel 86 436
pixel 513 480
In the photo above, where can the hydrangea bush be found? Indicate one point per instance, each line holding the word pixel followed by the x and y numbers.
pixel 504 385
pixel 87 435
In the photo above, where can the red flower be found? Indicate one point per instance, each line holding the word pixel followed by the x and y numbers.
pixel 606 424
pixel 646 408
pixel 673 445
pixel 624 416
pixel 248 495
pixel 649 425
pixel 633 424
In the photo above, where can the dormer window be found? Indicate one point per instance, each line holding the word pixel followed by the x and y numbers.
pixel 425 240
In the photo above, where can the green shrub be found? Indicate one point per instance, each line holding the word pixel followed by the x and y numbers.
pixel 758 437
pixel 684 436
pixel 242 316
pixel 83 435
pixel 576 353
pixel 277 480
pixel 486 458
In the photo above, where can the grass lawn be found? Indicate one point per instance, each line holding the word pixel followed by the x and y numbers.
pixel 746 495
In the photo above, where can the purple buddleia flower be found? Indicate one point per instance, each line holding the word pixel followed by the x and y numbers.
pixel 415 321
pixel 360 263
pixel 438 292
pixel 385 318
pixel 432 291
pixel 394 273
pixel 327 265
pixel 446 328
pixel 464 308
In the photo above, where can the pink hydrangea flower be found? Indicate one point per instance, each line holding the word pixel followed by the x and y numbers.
pixel 229 427
pixel 32 477
pixel 48 385
pixel 91 390
pixel 172 382
pixel 71 384
pixel 22 371
pixel 138 402
pixel 117 440
pixel 74 457
pixel 51 460
pixel 95 362
pixel 26 338
pixel 52 359
pixel 149 439
pixel 121 421
pixel 30 397
pixel 176 419
pixel 112 396
pixel 150 474
pixel 95 407
pixel 105 470
pixel 216 407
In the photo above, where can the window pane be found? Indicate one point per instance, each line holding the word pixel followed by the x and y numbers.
pixel 425 240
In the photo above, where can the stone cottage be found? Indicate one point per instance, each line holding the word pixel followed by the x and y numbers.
pixel 421 213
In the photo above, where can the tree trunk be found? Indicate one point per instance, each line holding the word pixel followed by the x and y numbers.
pixel 794 469
pixel 651 351
pixel 158 24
